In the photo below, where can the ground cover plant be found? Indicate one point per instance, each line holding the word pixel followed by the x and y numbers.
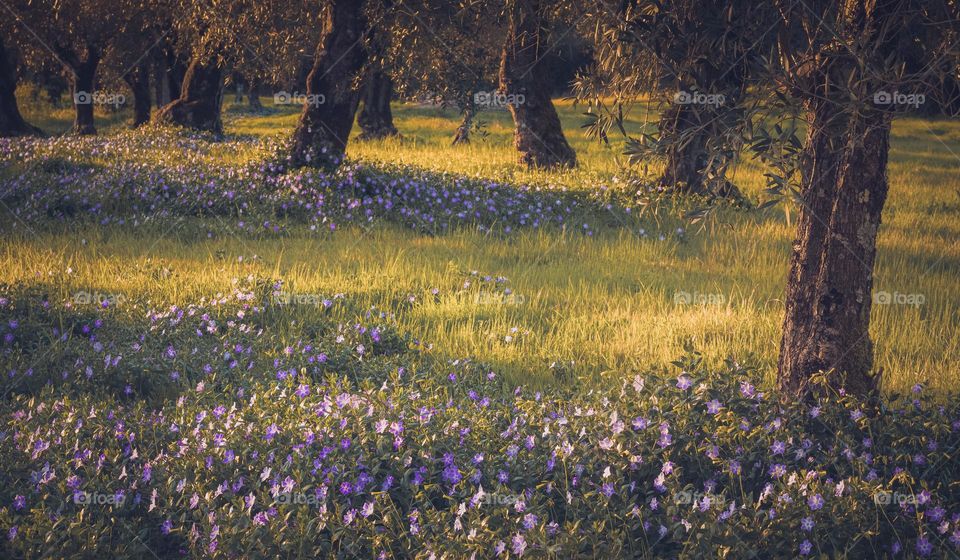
pixel 200 397
pixel 487 279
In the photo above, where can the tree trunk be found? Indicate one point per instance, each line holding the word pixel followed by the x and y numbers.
pixel 828 296
pixel 686 161
pixel 462 135
pixel 253 95
pixel 321 136
pixel 138 80
pixel 174 71
pixel 201 97
pixel 84 85
pixel 538 135
pixel 160 94
pixel 11 122
pixel 375 118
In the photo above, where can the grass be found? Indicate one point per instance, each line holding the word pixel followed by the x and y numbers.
pixel 604 304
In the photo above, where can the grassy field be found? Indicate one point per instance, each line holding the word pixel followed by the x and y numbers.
pixel 599 305
pixel 433 353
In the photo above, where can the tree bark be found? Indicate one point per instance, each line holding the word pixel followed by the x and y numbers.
pixel 376 118
pixel 201 98
pixel 828 296
pixel 692 166
pixel 538 135
pixel 686 161
pixel 320 139
pixel 83 73
pixel 174 71
pixel 253 95
pixel 138 79
pixel 11 122
pixel 462 135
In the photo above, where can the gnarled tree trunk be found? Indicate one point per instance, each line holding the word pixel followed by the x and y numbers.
pixel 686 162
pixel 253 95
pixel 538 135
pixel 175 69
pixel 828 296
pixel 83 83
pixel 462 135
pixel 201 98
pixel 320 139
pixel 375 118
pixel 138 79
pixel 11 122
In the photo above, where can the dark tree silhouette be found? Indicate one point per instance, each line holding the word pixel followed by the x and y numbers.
pixel 320 139
pixel 11 122
pixel 538 135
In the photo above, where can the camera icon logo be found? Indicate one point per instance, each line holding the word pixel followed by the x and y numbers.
pixel 883 98
pixel 281 98
pixel 82 98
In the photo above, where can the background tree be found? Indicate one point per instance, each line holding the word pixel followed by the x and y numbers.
pixel 375 118
pixel 447 52
pixel 74 33
pixel 698 83
pixel 11 122
pixel 538 135
pixel 333 86
pixel 132 52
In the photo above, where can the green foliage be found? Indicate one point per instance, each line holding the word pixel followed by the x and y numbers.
pixel 261 448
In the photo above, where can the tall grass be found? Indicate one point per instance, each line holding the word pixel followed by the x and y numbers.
pixel 598 305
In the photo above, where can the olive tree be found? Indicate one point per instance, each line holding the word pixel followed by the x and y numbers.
pixel 844 70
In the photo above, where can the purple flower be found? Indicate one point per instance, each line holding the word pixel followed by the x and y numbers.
pixel 18 502
pixel 529 521
pixel 815 502
pixel 518 544
pixel 451 474
pixel 272 431
pixel 714 406
pixel 166 527
pixel 924 547
pixel 805 547
pixel 367 510
pixel 684 382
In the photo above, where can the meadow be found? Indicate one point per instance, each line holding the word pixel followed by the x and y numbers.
pixel 604 291
pixel 431 353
